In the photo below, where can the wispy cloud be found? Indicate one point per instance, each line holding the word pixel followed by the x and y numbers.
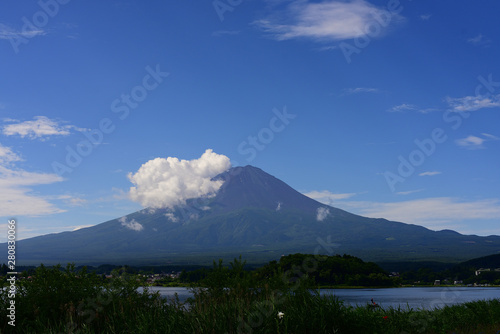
pixel 327 197
pixel 131 224
pixel 434 213
pixel 39 128
pixel 322 213
pixel 429 173
pixel 7 155
pixel 9 33
pixel 473 142
pixel 473 103
pixel 360 90
pixel 409 192
pixel 403 107
pixel 16 197
pixel 324 21
pixel 425 17
pixel 479 40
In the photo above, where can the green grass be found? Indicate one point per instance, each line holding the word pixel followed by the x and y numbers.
pixel 58 301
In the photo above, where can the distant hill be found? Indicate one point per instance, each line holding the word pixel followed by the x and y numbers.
pixel 490 261
pixel 258 216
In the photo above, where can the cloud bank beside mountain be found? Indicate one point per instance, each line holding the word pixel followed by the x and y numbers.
pixel 164 183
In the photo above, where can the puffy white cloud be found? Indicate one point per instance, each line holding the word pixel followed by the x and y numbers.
pixel 40 127
pixel 322 213
pixel 328 20
pixel 131 224
pixel 164 183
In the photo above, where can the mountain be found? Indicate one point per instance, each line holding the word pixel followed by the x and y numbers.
pixel 256 215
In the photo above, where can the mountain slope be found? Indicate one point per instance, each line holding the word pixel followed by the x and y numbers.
pixel 256 215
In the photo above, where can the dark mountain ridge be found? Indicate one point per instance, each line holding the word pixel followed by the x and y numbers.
pixel 258 216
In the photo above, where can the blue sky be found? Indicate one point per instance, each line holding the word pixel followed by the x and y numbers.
pixel 382 108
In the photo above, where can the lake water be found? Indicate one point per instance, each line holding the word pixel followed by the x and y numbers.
pixel 416 297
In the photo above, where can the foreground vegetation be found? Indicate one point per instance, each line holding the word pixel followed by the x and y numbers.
pixel 230 300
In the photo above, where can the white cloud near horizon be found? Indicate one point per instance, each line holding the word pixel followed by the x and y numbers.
pixel 473 103
pixel 16 193
pixel 164 183
pixel 328 20
pixel 16 197
pixel 327 197
pixel 39 128
pixel 435 213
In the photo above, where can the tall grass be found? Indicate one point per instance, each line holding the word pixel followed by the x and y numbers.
pixel 230 301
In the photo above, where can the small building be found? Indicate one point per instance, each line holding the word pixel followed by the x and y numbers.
pixel 437 282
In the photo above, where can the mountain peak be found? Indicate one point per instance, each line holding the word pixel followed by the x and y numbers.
pixel 250 186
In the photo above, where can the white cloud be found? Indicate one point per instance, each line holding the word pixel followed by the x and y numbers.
pixel 168 182
pixel 16 197
pixel 131 224
pixel 429 173
pixel 322 213
pixel 9 33
pixel 479 40
pixel 7 155
pixel 471 142
pixel 327 197
pixel 403 107
pixel 327 20
pixel 425 17
pixel 490 137
pixel 434 213
pixel 409 192
pixel 40 127
pixel 360 90
pixel 170 216
pixel 473 103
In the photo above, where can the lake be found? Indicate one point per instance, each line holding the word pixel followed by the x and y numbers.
pixel 414 297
